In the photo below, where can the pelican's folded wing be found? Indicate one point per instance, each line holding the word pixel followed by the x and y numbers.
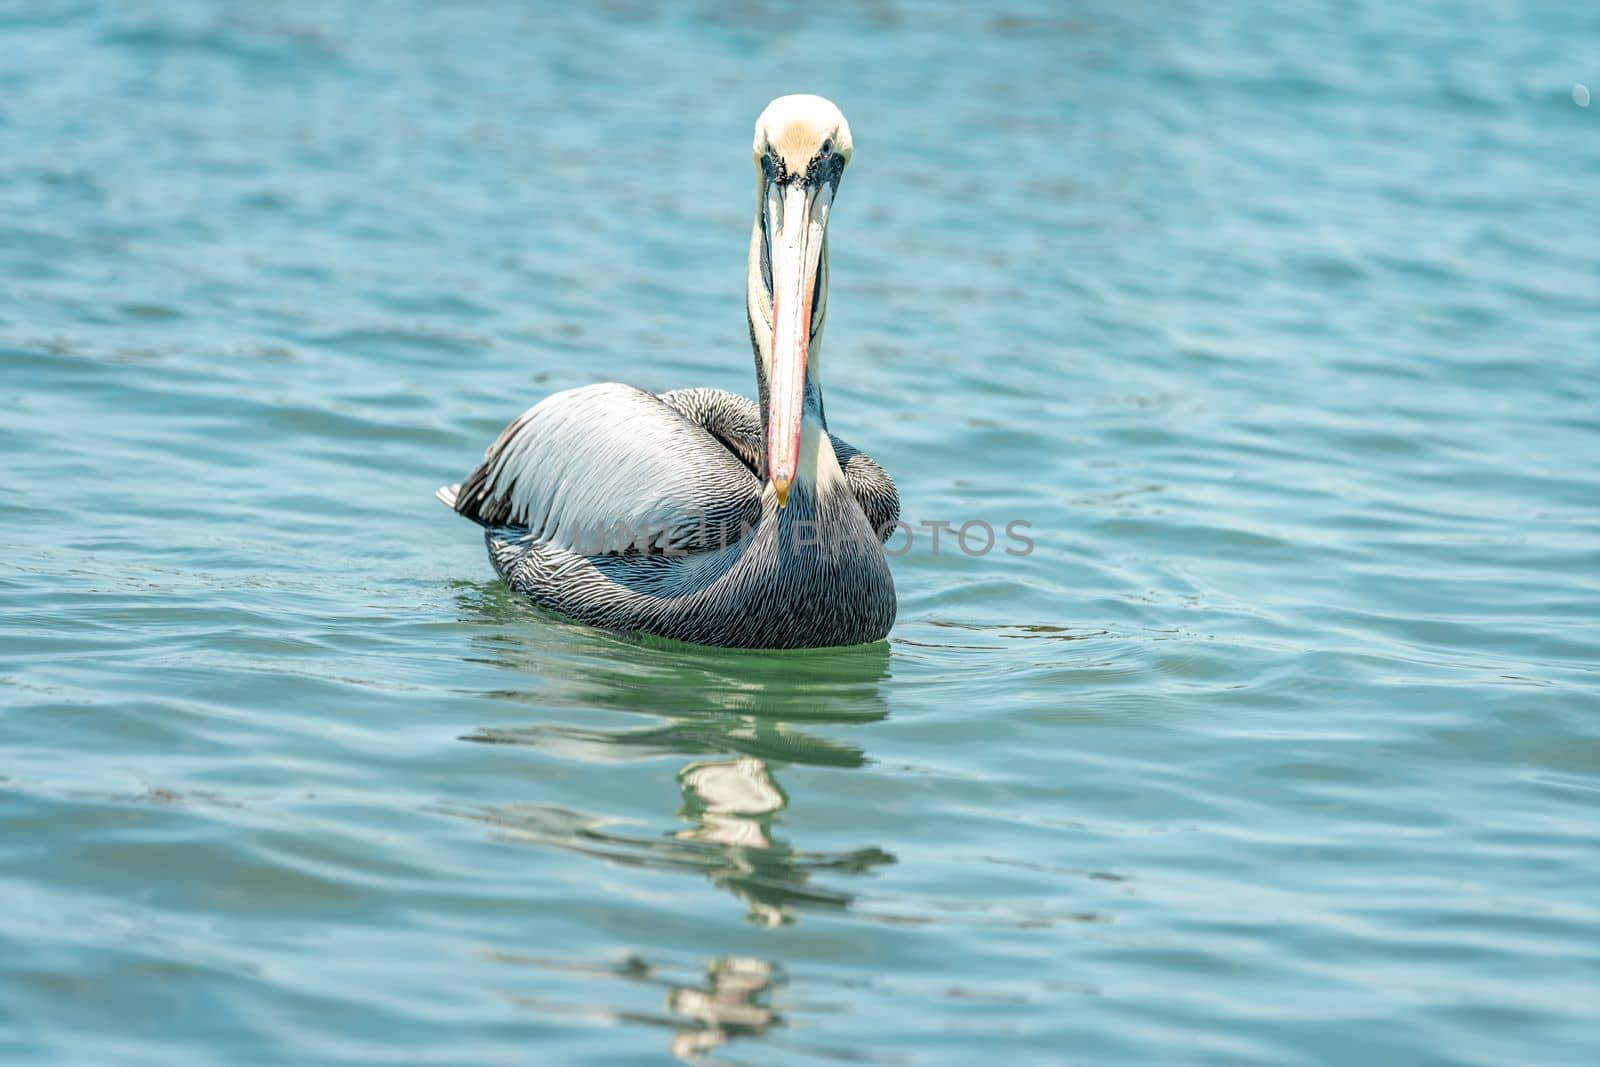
pixel 736 422
pixel 872 486
pixel 610 468
pixel 732 419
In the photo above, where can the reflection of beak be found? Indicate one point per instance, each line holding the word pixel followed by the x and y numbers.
pixel 797 218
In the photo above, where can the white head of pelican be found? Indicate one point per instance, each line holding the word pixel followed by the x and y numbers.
pixel 802 146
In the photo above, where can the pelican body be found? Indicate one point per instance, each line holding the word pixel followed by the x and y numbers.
pixel 699 514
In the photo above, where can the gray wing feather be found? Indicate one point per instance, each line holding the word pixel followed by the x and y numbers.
pixel 736 422
pixel 732 419
pixel 609 468
pixel 872 487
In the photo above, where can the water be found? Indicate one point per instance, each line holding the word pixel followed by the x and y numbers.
pixel 1278 324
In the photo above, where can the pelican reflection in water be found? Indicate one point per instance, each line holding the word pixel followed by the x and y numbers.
pixel 730 725
pixel 734 730
pixel 698 514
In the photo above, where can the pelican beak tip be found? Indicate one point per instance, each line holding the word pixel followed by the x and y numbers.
pixel 782 487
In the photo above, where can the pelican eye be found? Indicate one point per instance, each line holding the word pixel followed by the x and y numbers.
pixel 825 166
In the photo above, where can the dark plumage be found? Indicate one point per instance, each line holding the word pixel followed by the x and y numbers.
pixel 759 578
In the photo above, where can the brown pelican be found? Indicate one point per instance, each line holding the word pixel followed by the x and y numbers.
pixel 698 514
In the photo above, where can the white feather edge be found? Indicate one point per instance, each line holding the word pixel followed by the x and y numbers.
pixel 604 467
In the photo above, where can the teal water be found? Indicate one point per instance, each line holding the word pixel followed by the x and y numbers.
pixel 1280 324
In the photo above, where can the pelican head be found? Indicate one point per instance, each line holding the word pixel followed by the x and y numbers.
pixel 802 146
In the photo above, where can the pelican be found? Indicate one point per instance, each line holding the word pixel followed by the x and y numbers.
pixel 698 514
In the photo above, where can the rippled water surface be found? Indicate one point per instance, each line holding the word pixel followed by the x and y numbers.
pixel 1280 324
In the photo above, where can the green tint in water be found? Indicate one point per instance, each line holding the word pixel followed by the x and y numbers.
pixel 1283 746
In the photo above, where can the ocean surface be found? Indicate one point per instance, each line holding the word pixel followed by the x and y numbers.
pixel 1279 325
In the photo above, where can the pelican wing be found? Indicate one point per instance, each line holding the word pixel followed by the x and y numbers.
pixel 735 421
pixel 610 468
pixel 732 419
pixel 872 486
